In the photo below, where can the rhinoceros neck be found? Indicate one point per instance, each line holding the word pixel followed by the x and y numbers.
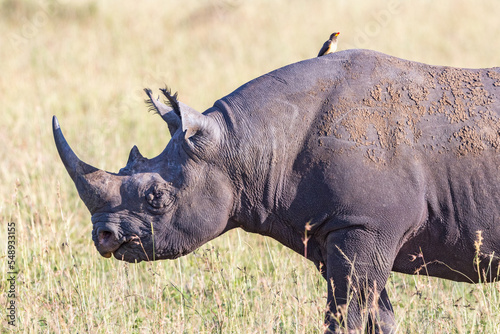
pixel 269 122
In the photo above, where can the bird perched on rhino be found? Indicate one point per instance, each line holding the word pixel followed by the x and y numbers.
pixel 330 45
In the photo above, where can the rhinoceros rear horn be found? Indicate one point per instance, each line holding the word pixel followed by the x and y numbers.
pixel 134 155
pixel 90 182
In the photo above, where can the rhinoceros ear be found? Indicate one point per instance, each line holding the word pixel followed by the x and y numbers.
pixel 169 114
pixel 193 123
pixel 178 107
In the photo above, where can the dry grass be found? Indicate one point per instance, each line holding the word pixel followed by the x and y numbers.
pixel 87 62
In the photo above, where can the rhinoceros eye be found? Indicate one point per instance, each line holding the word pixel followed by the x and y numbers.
pixel 158 196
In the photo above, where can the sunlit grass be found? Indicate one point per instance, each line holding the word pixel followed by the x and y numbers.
pixel 88 61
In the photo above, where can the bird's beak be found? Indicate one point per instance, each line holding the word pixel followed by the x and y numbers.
pixel 337 34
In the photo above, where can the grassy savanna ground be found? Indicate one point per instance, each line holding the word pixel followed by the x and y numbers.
pixel 87 62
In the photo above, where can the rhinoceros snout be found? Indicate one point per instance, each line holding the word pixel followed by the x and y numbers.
pixel 107 241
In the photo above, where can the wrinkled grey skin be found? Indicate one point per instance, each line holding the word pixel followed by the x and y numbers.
pixel 388 164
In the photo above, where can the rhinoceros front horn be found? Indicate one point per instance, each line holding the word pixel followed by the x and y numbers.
pixel 90 182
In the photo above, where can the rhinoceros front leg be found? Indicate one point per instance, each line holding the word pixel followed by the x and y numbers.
pixel 358 264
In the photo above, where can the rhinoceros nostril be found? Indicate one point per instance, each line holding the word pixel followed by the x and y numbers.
pixel 107 241
pixel 104 237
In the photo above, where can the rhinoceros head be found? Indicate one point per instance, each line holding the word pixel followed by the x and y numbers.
pixel 159 208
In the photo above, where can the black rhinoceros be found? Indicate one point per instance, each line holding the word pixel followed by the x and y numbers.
pixel 386 164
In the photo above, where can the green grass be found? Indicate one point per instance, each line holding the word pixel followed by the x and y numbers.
pixel 88 61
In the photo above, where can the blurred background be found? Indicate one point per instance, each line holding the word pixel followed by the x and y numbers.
pixel 88 61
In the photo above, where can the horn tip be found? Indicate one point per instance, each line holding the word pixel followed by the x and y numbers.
pixel 55 123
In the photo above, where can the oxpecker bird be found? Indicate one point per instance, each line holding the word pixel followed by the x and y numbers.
pixel 330 45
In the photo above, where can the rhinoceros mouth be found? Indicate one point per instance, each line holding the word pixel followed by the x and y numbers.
pixel 106 255
pixel 132 250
